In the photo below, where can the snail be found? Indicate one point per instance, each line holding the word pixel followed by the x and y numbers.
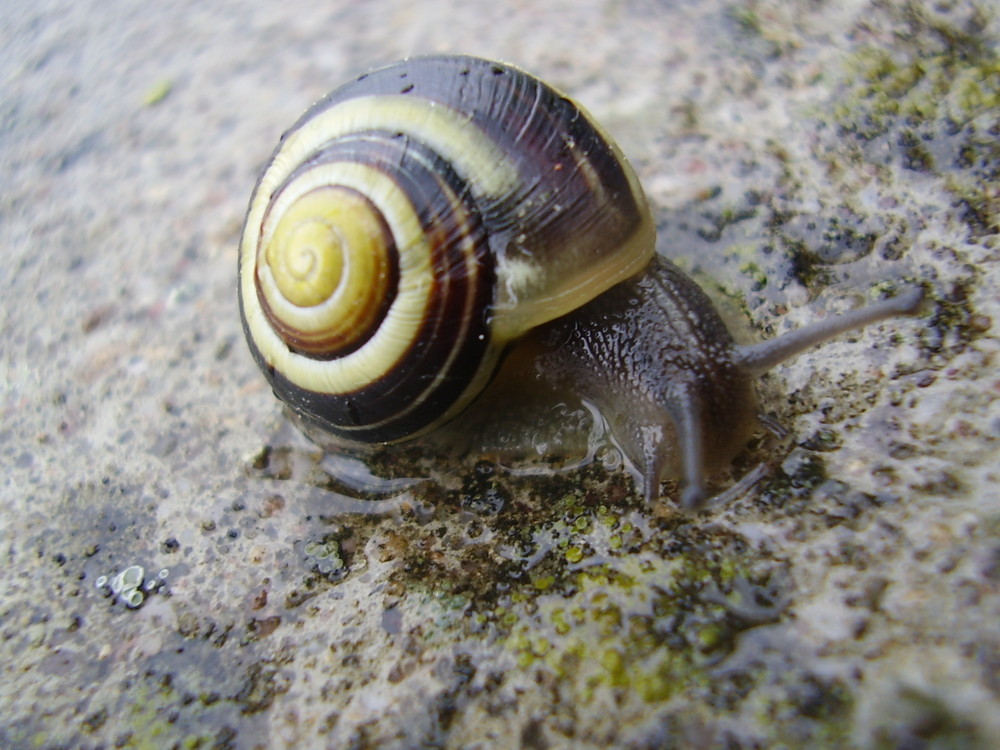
pixel 421 222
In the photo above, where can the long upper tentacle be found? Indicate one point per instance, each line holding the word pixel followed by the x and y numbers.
pixel 758 358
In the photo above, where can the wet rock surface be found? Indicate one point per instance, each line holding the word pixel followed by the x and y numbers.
pixel 800 159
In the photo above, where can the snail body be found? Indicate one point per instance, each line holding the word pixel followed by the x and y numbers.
pixel 418 222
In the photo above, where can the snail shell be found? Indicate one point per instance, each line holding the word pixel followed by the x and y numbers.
pixel 413 223
pixel 417 221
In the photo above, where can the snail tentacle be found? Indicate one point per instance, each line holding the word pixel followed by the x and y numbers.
pixel 690 432
pixel 761 357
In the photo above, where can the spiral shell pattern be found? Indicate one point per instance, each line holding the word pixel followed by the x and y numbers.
pixel 413 223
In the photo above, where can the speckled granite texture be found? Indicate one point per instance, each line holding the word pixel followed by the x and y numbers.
pixel 800 157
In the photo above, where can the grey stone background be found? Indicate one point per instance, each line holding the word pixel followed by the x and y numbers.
pixel 800 157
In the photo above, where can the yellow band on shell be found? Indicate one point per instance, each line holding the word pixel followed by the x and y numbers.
pixel 447 132
pixel 402 320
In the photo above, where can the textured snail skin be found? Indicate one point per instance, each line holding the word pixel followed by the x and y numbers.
pixel 418 222
pixel 675 390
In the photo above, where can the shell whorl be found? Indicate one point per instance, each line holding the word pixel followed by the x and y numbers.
pixel 414 222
